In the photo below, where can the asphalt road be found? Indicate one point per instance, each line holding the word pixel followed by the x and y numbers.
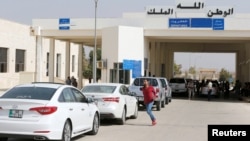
pixel 181 120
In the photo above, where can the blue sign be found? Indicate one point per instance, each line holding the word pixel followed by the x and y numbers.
pixel 64 27
pixel 201 22
pixel 218 24
pixel 133 65
pixel 179 22
pixel 64 24
pixel 136 71
pixel 64 21
pixel 128 64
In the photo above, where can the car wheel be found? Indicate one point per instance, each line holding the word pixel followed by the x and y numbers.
pixel 136 112
pixel 95 126
pixel 167 100
pixel 66 135
pixel 158 105
pixel 163 103
pixel 122 120
pixel 3 139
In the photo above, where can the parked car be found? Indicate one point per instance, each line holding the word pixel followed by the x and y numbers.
pixel 47 111
pixel 114 100
pixel 178 85
pixel 167 88
pixel 159 102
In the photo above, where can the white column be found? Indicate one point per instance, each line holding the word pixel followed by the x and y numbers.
pixel 67 60
pixel 51 59
pixel 39 58
pixel 247 48
pixel 80 66
pixel 152 59
pixel 157 59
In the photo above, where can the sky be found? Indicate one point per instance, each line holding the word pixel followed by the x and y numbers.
pixel 23 11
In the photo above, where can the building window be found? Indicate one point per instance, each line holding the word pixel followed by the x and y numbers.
pixel 73 63
pixel 20 55
pixel 3 59
pixel 58 65
pixel 47 65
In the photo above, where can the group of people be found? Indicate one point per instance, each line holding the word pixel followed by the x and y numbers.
pixel 223 88
pixel 71 81
pixel 245 91
pixel 194 87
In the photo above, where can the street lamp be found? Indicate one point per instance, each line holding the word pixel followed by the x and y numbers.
pixel 94 51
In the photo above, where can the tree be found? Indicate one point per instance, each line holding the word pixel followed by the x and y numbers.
pixel 88 72
pixel 224 75
pixel 192 70
pixel 177 69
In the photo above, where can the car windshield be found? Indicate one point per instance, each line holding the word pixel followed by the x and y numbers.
pixel 99 89
pixel 40 93
pixel 177 81
pixel 139 81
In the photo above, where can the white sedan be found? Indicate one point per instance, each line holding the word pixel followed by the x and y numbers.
pixel 47 111
pixel 114 100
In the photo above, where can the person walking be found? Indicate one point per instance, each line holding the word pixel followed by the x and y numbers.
pixel 237 89
pixel 190 89
pixel 227 87
pixel 149 95
pixel 210 87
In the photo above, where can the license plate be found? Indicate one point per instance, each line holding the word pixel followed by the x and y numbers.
pixel 140 98
pixel 15 113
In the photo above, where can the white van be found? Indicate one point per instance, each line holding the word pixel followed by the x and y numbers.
pixel 178 85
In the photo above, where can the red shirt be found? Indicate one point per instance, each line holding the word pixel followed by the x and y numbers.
pixel 148 93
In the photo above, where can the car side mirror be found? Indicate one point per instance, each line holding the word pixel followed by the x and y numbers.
pixel 90 100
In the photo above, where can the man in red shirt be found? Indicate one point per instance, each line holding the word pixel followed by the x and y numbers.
pixel 149 95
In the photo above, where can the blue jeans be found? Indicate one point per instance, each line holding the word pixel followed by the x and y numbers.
pixel 149 110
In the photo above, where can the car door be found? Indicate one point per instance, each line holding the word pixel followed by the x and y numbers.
pixel 74 109
pixel 128 99
pixel 84 117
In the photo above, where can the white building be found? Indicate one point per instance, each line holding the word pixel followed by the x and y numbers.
pixel 18 56
pixel 142 43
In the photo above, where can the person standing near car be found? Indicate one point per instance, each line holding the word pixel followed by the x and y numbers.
pixel 149 95
pixel 210 87
pixel 190 89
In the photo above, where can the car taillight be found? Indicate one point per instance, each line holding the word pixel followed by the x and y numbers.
pixel 157 91
pixel 111 99
pixel 44 110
